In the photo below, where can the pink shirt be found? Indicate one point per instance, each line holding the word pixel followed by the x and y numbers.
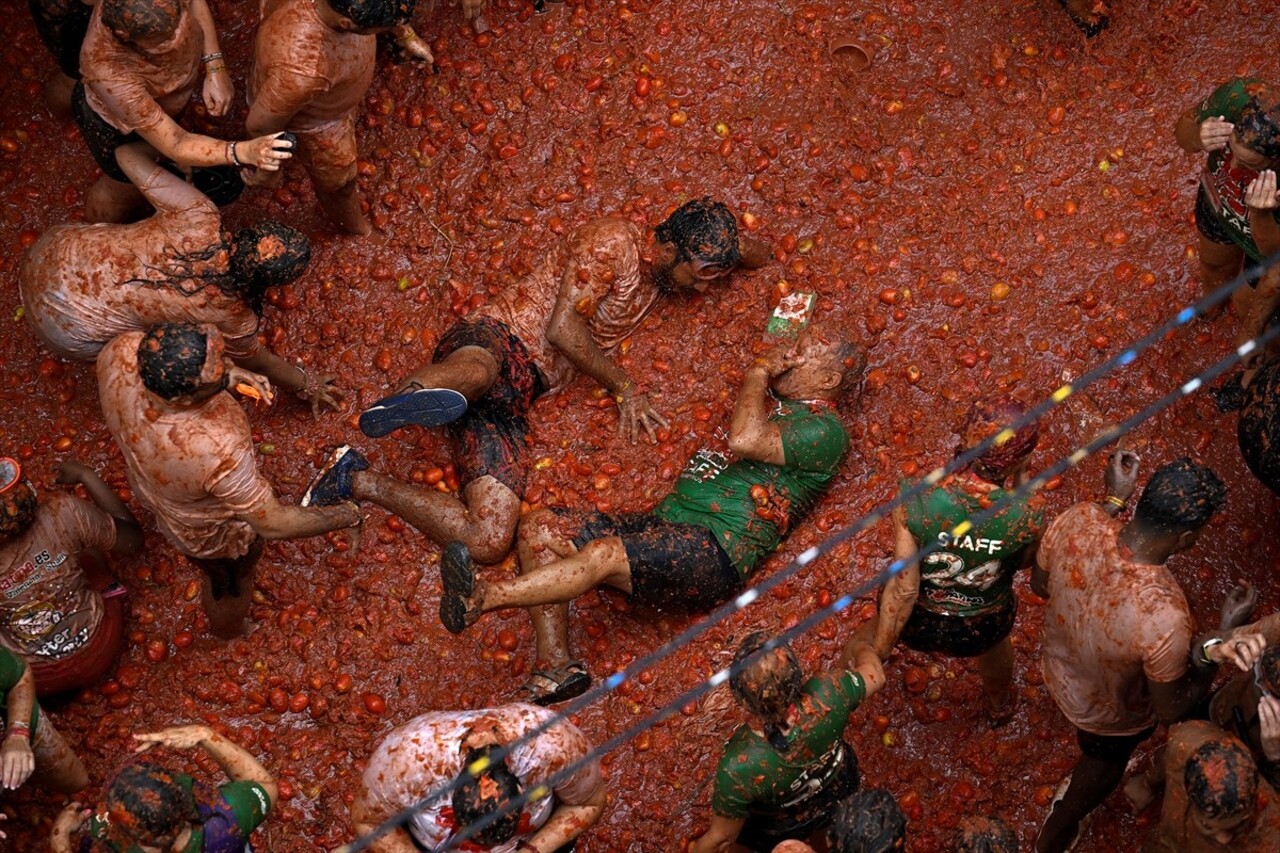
pixel 193 467
pixel 1111 624
pixel 303 68
pixel 600 264
pixel 135 91
pixel 47 610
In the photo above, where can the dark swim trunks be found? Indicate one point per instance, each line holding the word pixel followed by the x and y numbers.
pixel 489 440
pixel 62 25
pixel 674 566
pixel 102 138
pixel 958 636
pixel 798 820
pixel 1208 223
pixel 1114 748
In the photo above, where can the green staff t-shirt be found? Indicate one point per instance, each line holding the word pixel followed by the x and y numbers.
pixel 751 506
pixel 971 574
pixel 753 777
pixel 1225 181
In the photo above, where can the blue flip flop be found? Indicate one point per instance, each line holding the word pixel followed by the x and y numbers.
pixel 426 407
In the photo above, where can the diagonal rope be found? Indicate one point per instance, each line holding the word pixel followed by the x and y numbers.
pixel 744 599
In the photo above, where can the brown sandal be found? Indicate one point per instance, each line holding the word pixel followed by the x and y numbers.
pixel 558 684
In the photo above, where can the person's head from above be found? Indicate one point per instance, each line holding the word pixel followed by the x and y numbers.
pixel 1255 142
pixel 1222 789
pixel 145 24
pixel 149 810
pixel 17 500
pixel 990 417
pixel 1177 503
pixel 267 255
pixel 696 245
pixel 868 821
pixel 365 17
pixel 830 366
pixel 985 835
pixel 483 796
pixel 768 684
pixel 182 363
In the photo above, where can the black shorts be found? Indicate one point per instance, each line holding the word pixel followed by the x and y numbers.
pixel 489 440
pixel 62 25
pixel 958 636
pixel 1117 749
pixel 765 830
pixel 677 567
pixel 102 138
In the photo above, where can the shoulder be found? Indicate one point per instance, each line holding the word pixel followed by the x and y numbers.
pixel 120 352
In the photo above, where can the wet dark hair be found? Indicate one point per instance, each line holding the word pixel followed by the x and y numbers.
pixel 769 685
pixel 131 20
pixel 374 14
pixel 146 801
pixel 704 230
pixel 987 417
pixel 985 835
pixel 1259 123
pixel 869 821
pixel 477 797
pixel 853 361
pixel 17 509
pixel 1221 778
pixel 267 255
pixel 1179 497
pixel 170 359
pixel 1269 670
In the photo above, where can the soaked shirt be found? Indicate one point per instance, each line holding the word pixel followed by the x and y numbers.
pixel 1224 180
pixel 749 505
pixel 193 467
pixel 133 91
pixel 424 754
pixel 83 285
pixel 304 69
pixel 228 816
pixel 753 777
pixel 602 262
pixel 1177 833
pixel 1110 625
pixel 47 609
pixel 971 574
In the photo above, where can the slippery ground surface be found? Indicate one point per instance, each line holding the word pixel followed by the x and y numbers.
pixel 995 204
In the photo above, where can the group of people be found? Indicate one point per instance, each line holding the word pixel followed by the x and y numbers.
pixel 169 306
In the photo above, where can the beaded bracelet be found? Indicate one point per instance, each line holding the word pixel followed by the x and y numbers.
pixel 210 57
pixel 232 156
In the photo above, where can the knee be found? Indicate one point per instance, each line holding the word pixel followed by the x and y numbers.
pixel 537 528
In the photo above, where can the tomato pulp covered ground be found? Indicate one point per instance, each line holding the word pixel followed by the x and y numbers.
pixel 996 204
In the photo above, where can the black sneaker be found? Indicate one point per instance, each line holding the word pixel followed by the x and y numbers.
pixel 332 483
pixel 459 580
pixel 425 407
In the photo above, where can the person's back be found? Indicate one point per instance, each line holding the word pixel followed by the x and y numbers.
pixel 83 284
pixel 295 50
pixel 1109 620
pixel 184 463
pixel 605 255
